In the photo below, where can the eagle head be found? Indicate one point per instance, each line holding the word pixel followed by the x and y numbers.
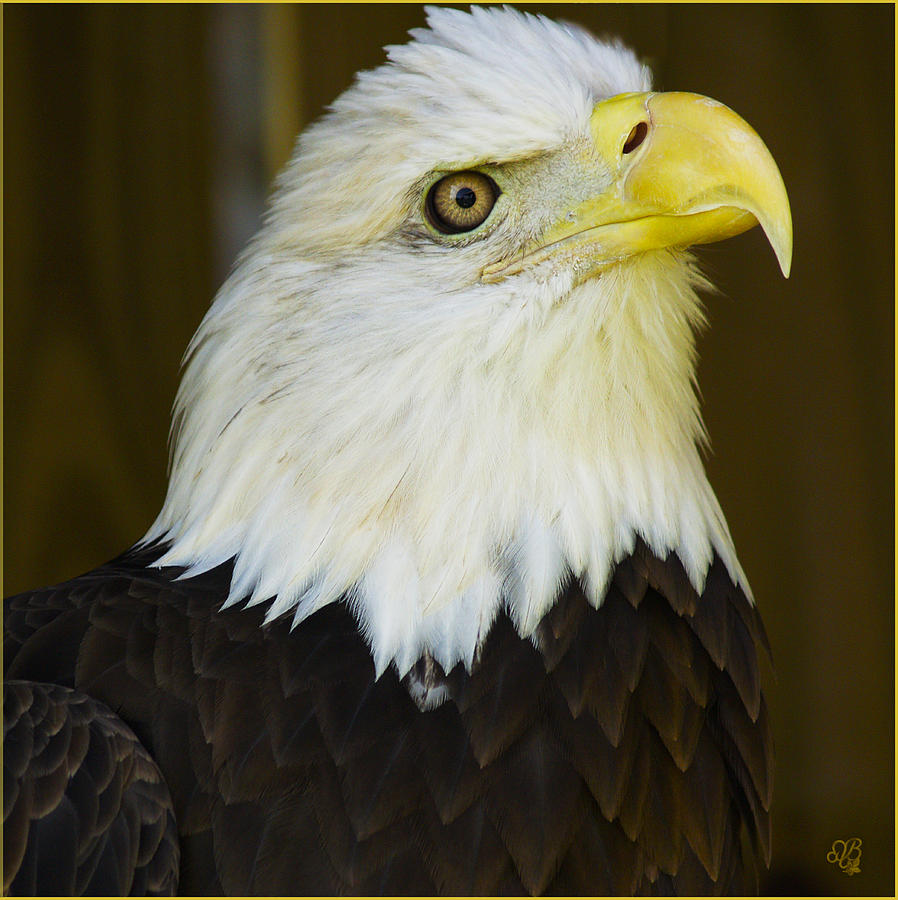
pixel 455 368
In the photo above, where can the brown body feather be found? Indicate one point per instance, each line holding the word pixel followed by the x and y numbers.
pixel 85 809
pixel 623 750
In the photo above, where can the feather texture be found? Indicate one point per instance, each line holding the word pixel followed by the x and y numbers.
pixel 610 754
pixel 86 810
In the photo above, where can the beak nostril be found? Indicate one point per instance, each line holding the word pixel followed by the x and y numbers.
pixel 636 137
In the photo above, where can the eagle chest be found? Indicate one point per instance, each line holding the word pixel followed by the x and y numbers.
pixel 619 750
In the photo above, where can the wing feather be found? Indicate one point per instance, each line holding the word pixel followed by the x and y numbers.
pixel 90 811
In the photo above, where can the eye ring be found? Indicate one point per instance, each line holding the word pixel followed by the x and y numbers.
pixel 460 202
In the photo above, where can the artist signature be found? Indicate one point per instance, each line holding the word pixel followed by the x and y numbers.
pixel 846 855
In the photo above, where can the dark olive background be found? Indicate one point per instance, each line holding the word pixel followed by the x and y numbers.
pixel 137 143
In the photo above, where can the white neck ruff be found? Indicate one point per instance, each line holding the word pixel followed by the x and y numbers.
pixel 503 442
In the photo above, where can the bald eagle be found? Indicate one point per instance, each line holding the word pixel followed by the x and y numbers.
pixel 440 599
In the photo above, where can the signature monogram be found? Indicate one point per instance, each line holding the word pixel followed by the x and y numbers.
pixel 846 855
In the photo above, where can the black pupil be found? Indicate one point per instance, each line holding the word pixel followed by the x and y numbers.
pixel 465 197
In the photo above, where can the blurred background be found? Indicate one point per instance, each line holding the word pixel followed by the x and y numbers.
pixel 139 142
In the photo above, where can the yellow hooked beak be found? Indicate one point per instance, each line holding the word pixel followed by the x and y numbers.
pixel 686 170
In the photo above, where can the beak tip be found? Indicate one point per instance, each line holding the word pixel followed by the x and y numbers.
pixel 785 262
pixel 779 236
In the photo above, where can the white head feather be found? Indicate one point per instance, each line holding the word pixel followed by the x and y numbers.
pixel 362 417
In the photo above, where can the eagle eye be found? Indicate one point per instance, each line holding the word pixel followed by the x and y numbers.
pixel 460 202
